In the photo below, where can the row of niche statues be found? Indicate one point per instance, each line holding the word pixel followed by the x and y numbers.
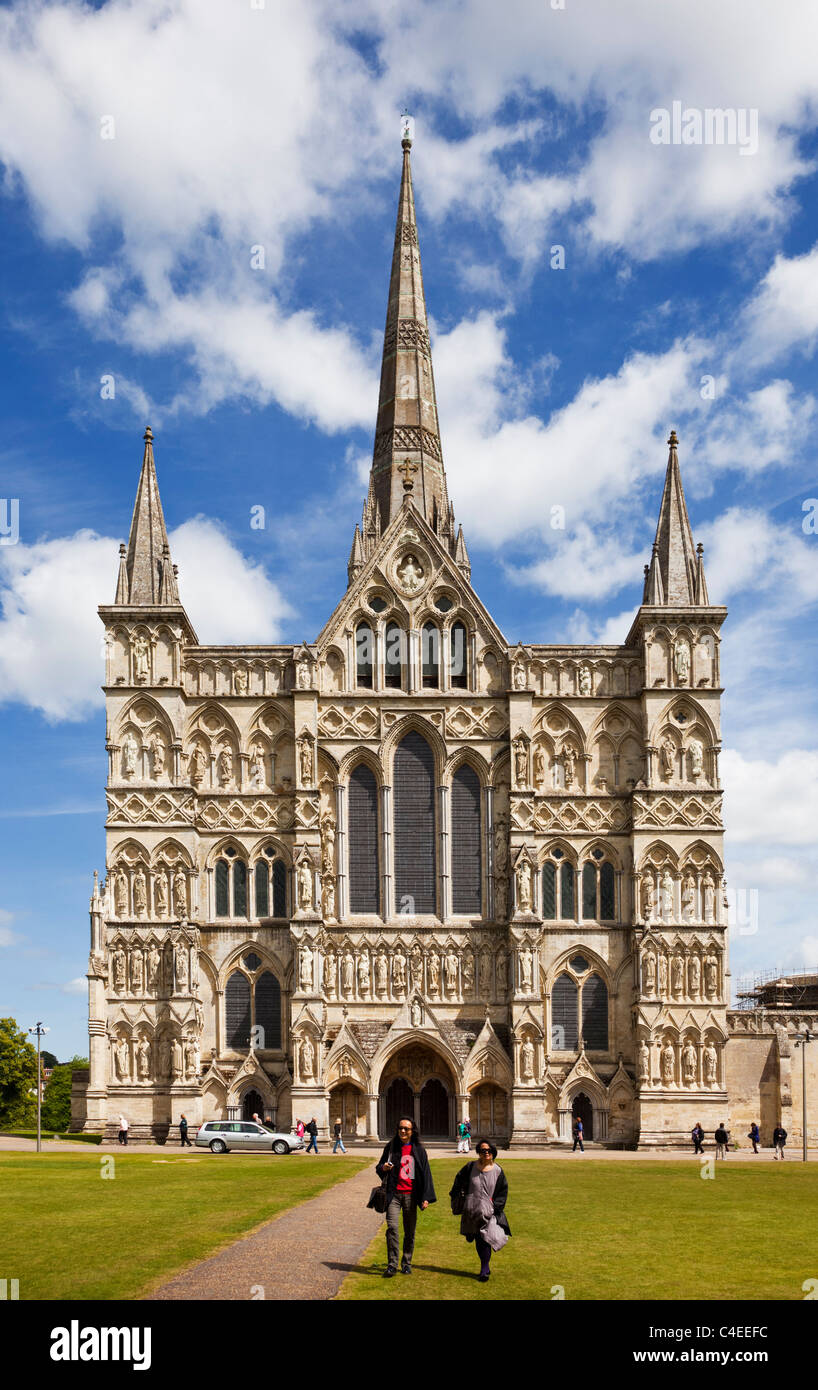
pixel 168 1058
pixel 686 1063
pixel 375 973
pixel 526 775
pixel 150 968
pixel 697 895
pixel 519 678
pixel 133 751
pixel 132 892
pixel 693 977
pixel 692 759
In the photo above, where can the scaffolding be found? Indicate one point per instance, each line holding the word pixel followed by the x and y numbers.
pixel 778 989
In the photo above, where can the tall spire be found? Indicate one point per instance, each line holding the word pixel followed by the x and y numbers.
pixel 676 572
pixel 149 577
pixel 407 424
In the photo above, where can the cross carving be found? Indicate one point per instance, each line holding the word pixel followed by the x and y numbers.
pixel 407 469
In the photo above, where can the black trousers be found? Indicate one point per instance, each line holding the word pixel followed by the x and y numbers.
pixel 484 1251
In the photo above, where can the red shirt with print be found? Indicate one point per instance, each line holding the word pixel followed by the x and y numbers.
pixel 406 1172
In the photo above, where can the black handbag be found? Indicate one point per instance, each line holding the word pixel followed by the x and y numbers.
pixel 458 1202
pixel 377 1197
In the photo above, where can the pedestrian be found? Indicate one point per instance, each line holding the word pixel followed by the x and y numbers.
pixel 462 1138
pixel 257 1121
pixel 183 1132
pixel 578 1136
pixel 405 1169
pixel 312 1130
pixel 754 1136
pixel 339 1143
pixel 299 1128
pixel 479 1192
pixel 123 1131
pixel 779 1140
pixel 722 1138
pixel 697 1135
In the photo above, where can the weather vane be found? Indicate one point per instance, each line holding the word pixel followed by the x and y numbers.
pixel 407 126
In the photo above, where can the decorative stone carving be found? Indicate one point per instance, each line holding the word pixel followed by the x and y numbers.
pixel 709 898
pixel 539 767
pixel 129 755
pixel 468 974
pixel 526 970
pixel 416 969
pixel 305 969
pixel 363 973
pixel 328 973
pixel 258 771
pixel 585 680
pixel 196 765
pixel 677 976
pixel 177 1060
pixel 681 660
pixel 305 886
pixel 689 898
pixel 694 977
pixel 140 893
pixel 649 973
pixel 668 1061
pixel 140 659
pixel 122 1060
pixel 328 898
pixel 160 894
pixel 381 973
pixel 303 674
pixel 711 1062
pixel 416 1014
pixel 154 968
pixel 647 896
pixel 157 751
pixel 121 895
pixel 410 574
pixel 181 962
pixel 347 974
pixel 523 873
pixel 434 973
pixel 307 1058
pixel 485 975
pixel 119 963
pixel 519 675
pixel 180 893
pixel 644 1061
pixel 662 975
pixel 711 977
pixel 520 763
pixel 502 973
pixel 224 767
pixel 240 681
pixel 568 763
pixel 667 758
pixel 689 1060
pixel 306 761
pixel 327 843
pixel 143 1059
pixel 666 887
pixel 696 753
pixel 527 1060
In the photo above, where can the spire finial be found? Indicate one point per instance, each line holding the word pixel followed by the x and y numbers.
pixel 407 127
pixel 148 435
pixel 674 440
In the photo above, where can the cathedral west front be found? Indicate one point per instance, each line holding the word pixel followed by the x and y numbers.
pixel 409 866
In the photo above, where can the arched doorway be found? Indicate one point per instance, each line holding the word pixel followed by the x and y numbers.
pixel 416 1081
pixel 488 1111
pixel 348 1104
pixel 252 1104
pixel 399 1100
pixel 434 1110
pixel 582 1109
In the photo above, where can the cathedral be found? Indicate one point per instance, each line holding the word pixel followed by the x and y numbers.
pixel 408 866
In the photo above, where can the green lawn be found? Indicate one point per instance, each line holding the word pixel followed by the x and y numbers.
pixel 68 1232
pixel 619 1230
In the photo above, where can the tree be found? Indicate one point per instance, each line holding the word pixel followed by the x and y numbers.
pixel 48 1059
pixel 18 1077
pixel 57 1098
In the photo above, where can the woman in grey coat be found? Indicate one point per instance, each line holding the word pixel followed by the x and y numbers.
pixel 479 1194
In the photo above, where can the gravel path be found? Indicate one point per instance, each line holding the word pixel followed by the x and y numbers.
pixel 303 1254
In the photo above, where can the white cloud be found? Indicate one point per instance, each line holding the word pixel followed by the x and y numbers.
pixel 783 313
pixel 75 986
pixel 51 649
pixel 746 550
pixel 809 948
pixel 767 428
pixel 771 803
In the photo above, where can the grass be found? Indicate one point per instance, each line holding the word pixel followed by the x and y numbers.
pixel 51 1134
pixel 68 1232
pixel 605 1230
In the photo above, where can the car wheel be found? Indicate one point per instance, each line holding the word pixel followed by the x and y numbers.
pixel 279 1147
pixel 218 1146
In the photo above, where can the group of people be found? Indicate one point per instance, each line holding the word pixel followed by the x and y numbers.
pixel 722 1138
pixel 311 1130
pixel 478 1196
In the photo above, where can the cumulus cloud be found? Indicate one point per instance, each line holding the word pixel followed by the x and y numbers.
pixel 746 550
pixel 771 802
pixel 783 314
pixel 51 639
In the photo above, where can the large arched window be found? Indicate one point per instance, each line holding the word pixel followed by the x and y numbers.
pixel 459 661
pixel 270 881
pixel 430 656
pixel 237 1010
pixel 598 889
pixel 268 1009
pixel 466 841
pixel 252 1007
pixel 231 886
pixel 564 1015
pixel 595 1014
pixel 363 841
pixel 414 802
pixel 567 894
pixel 364 653
pixel 394 642
pixel 549 891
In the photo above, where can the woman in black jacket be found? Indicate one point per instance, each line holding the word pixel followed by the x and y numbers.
pixel 409 1185
pixel 479 1194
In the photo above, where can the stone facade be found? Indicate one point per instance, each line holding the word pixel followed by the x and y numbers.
pixel 411 864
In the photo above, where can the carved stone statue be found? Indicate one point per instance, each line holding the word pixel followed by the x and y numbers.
pixel 140 659
pixel 302 679
pixel 527 1060
pixel 711 977
pixel 694 977
pixel 345 1065
pixel 502 972
pixel 122 1060
pixel 519 675
pixel 689 898
pixel 240 680
pixel 154 967
pixel 305 969
pixel 399 972
pixel 501 846
pixel 434 973
pixel 305 755
pixel 143 1059
pixel 196 765
pixel 381 973
pixel 523 873
pixel 416 969
pixel 137 970
pixel 119 963
pixel 164 1063
pixel 539 767
pixel 568 763
pixel 649 973
pixel 157 750
pixel 450 972
pixel 363 973
pixel 677 975
pixel 644 1061
pixel 258 772
pixel 521 764
pixel 191 1058
pixel 667 758
pixel 416 1014
pixel 501 899
pixel 668 1064
pixel 121 895
pixel 485 975
pixel 307 1058
pixel 410 574
pixel 180 958
pixel 526 970
pixel 689 1060
pixel 584 680
pixel 709 898
pixel 177 1060
pixel 666 885
pixel 711 1063
pixel 129 754
pixel 328 973
pixel 328 898
pixel 468 973
pixel 662 975
pixel 140 893
pixel 696 758
pixel 681 660
pixel 304 885
pixel 327 843
pixel 180 893
pixel 647 896
pixel 347 974
pixel 160 894
pixel 224 767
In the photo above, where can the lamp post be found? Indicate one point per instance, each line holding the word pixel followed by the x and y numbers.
pixel 801 1040
pixel 40 1032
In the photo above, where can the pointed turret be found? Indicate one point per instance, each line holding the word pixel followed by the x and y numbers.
pixel 673 578
pixel 149 573
pixel 461 555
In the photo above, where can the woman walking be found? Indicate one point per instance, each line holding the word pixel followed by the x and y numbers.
pixel 405 1168
pixel 479 1193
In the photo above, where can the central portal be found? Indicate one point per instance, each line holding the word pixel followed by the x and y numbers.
pixel 417 1082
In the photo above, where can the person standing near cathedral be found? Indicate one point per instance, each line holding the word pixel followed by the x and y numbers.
pixel 405 1168
pixel 722 1138
pixel 578 1129
pixel 697 1135
pixel 312 1130
pixel 463 1137
pixel 183 1132
pixel 779 1140
pixel 338 1135
pixel 123 1131
pixel 754 1136
pixel 479 1193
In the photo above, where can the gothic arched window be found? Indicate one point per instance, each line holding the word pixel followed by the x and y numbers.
pixel 466 841
pixel 564 1015
pixel 607 894
pixel 271 866
pixel 231 886
pixel 589 891
pixel 567 895
pixel 279 888
pixel 394 640
pixel 222 888
pixel 237 1010
pixel 268 1010
pixel 363 841
pixel 598 890
pixel 459 662
pixel 595 1014
pixel 414 818
pixel 239 888
pixel 549 891
pixel 262 879
pixel 430 656
pixel 364 649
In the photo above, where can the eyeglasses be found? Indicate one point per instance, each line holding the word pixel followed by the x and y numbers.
pixel 405 1127
pixel 484 1151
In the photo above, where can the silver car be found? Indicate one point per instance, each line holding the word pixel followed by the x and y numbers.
pixel 220 1136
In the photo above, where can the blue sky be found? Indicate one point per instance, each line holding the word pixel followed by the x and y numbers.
pixel 146 150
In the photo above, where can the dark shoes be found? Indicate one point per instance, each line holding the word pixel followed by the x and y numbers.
pixel 484 1276
pixel 391 1271
pixel 406 1267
